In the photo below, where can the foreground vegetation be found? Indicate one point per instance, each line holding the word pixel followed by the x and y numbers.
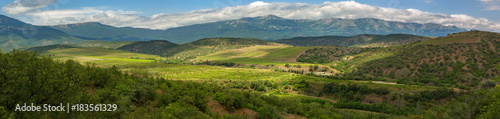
pixel 262 81
pixel 136 96
pixel 142 96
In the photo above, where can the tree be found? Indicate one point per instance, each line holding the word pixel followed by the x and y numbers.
pixel 287 65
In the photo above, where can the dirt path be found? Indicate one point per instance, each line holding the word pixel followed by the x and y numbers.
pixel 382 82
pixel 360 111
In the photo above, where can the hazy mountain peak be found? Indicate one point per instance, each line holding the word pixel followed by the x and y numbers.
pixel 15 34
pixel 5 20
pixel 270 16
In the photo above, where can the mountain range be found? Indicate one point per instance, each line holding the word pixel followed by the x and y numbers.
pixel 15 34
pixel 268 27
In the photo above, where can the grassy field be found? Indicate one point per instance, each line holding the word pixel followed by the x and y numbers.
pixel 282 84
pixel 101 56
pixel 277 55
pixel 105 44
pixel 248 52
pixel 143 63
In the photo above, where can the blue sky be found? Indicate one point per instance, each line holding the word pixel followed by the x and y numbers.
pixel 164 14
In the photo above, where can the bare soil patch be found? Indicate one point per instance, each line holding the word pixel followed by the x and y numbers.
pixel 217 108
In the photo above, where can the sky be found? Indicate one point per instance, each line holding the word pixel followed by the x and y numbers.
pixel 164 14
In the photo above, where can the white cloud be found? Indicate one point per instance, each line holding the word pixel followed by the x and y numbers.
pixel 345 9
pixel 491 4
pixel 24 6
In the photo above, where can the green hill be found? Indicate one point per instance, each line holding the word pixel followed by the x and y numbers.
pixel 43 49
pixel 156 47
pixel 366 40
pixel 466 58
pixel 15 34
pixel 194 49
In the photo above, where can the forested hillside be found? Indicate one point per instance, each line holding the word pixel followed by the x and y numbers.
pixel 365 40
pixel 466 58
pixel 156 47
pixel 15 34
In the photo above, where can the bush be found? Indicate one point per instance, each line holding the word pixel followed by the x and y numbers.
pixel 269 112
pixel 489 84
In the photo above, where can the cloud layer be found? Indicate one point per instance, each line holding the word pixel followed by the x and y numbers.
pixel 345 9
pixel 491 4
pixel 25 6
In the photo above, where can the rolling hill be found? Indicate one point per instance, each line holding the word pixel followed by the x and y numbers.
pixel 194 49
pixel 156 47
pixel 264 27
pixel 365 40
pixel 44 49
pixel 466 58
pixel 15 34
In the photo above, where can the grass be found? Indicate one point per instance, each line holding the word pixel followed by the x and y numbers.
pixel 101 56
pixel 248 52
pixel 358 59
pixel 122 59
pixel 105 44
pixel 265 55
pixel 226 76
pixel 213 73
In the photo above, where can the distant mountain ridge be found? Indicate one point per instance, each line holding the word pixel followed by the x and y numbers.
pixel 15 34
pixel 98 31
pixel 264 27
pixel 364 40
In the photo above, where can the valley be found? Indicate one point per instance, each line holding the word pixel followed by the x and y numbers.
pixel 149 75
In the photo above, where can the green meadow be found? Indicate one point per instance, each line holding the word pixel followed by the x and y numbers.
pixel 101 56
pixel 145 64
pixel 264 55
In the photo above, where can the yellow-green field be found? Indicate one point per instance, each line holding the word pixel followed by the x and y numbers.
pixel 142 63
pixel 277 83
pixel 101 56
pixel 278 55
pixel 122 59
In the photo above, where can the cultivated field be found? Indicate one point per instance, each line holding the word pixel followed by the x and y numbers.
pixel 265 55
